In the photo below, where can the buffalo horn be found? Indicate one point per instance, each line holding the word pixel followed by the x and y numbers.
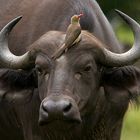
pixel 7 59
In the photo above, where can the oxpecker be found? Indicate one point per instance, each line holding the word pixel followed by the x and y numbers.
pixel 72 36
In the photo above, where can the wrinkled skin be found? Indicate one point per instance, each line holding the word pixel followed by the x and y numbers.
pixel 99 95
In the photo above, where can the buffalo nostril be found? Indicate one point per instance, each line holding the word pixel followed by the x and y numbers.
pixel 67 108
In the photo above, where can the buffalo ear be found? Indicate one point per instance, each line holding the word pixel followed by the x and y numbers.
pixel 122 84
pixel 16 86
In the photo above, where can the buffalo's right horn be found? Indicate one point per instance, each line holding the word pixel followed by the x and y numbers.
pixel 7 59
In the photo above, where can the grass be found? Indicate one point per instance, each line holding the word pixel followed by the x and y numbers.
pixel 131 127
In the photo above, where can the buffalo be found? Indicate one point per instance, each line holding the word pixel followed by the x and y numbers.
pixel 81 95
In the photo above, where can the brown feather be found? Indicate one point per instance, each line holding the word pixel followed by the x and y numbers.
pixel 72 36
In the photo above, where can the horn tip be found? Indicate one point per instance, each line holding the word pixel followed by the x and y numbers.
pixel 18 18
pixel 119 12
pixel 128 19
pixel 125 17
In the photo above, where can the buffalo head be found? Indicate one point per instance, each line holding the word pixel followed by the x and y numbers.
pixel 70 86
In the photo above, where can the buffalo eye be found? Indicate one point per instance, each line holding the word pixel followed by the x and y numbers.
pixel 83 71
pixel 87 68
pixel 39 70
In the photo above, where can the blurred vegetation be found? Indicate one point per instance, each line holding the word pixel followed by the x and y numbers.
pixel 130 7
pixel 131 126
pixel 124 34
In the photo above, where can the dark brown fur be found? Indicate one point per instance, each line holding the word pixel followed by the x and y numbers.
pixel 102 94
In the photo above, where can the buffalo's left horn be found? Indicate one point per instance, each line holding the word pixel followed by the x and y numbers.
pixel 7 59
pixel 113 59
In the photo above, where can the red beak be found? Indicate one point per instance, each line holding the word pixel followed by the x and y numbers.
pixel 80 15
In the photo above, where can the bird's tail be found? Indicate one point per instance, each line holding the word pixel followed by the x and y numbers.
pixel 59 52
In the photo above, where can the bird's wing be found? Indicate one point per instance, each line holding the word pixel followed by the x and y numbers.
pixel 59 52
pixel 71 36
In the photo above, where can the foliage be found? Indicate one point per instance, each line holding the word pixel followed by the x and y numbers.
pixel 130 7
pixel 131 127
pixel 124 34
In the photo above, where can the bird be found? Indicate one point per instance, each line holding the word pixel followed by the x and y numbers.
pixel 72 36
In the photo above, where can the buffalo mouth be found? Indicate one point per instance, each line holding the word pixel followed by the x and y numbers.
pixel 57 120
pixel 60 124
